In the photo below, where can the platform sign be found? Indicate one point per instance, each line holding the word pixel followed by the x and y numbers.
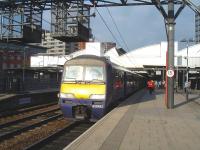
pixel 170 73
pixel 158 72
pixel 24 100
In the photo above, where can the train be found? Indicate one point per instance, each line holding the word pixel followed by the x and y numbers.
pixel 91 85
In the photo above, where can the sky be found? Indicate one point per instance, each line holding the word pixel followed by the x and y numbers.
pixel 139 25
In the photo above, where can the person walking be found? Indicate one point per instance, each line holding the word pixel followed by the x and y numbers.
pixel 150 86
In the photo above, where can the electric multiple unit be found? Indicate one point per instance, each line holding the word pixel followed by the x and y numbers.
pixel 91 85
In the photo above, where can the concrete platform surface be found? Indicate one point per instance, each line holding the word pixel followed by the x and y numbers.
pixel 142 122
pixel 4 96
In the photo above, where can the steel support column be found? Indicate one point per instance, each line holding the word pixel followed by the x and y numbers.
pixel 170 28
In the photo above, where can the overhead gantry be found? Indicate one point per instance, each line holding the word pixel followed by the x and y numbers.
pixel 70 22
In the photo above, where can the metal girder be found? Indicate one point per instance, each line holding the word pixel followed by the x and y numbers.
pixel 70 23
pixel 192 6
pixel 13 9
pixel 98 3
pixel 158 5
pixel 179 10
pixel 124 2
pixel 112 3
pixel 46 4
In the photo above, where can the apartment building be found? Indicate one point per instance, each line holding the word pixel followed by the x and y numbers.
pixel 56 47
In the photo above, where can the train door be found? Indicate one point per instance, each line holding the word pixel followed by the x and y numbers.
pixel 125 84
pixel 118 85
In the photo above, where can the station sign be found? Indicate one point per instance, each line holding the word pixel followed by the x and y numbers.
pixel 158 72
pixel 24 100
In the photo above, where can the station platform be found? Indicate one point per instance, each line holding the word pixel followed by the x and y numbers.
pixel 10 101
pixel 142 122
pixel 10 95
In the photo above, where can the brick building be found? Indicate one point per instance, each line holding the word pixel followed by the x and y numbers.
pixel 10 60
pixel 14 56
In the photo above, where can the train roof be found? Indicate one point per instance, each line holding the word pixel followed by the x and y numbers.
pixel 126 70
pixel 93 57
pixel 104 60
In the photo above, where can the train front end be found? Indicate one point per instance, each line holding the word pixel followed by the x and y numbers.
pixel 83 89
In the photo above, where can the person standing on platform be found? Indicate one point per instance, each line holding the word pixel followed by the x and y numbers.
pixel 150 86
pixel 163 84
pixel 185 86
pixel 159 84
pixel 189 86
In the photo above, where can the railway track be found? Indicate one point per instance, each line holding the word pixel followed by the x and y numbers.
pixel 13 128
pixel 61 138
pixel 37 127
pixel 26 114
pixel 33 134
pixel 24 110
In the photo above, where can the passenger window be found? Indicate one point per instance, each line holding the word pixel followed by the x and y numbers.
pixel 94 73
pixel 73 73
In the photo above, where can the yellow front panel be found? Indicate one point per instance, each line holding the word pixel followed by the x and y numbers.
pixel 83 91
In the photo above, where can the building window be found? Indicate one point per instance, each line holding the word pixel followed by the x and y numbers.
pixel 12 58
pixel 15 66
pixel 18 66
pixel 35 76
pixel 18 57
pixel 4 66
pixel 11 66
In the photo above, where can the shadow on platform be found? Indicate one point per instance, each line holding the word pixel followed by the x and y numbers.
pixel 189 101
pixel 140 97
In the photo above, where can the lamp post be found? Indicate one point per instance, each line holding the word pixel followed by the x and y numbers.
pixel 187 41
pixel 176 84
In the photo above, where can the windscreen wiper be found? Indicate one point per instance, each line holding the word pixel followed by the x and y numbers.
pixel 95 81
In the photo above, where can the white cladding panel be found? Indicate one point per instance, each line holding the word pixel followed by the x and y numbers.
pixel 153 55
pixel 48 61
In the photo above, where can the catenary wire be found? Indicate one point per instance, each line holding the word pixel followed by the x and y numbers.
pixel 109 31
pixel 113 20
pixel 121 38
pixel 108 27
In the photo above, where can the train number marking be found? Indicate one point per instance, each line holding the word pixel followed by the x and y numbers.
pixel 97 106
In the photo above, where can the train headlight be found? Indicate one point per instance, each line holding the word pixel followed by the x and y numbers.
pixel 66 95
pixel 97 96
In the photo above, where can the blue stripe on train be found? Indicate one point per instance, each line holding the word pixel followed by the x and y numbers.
pixel 97 110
